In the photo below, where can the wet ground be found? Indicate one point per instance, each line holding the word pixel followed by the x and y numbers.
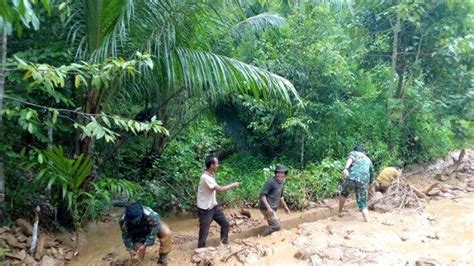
pixel 441 233
pixel 103 240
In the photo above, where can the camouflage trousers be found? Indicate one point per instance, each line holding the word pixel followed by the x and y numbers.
pixel 349 186
pixel 164 236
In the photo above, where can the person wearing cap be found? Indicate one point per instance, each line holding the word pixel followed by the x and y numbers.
pixel 140 226
pixel 208 209
pixel 271 197
pixel 359 173
pixel 386 177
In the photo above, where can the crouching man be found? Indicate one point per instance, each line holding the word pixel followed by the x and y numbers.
pixel 140 226
pixel 386 178
pixel 270 198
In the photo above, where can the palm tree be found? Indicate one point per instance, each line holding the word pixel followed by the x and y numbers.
pixel 176 33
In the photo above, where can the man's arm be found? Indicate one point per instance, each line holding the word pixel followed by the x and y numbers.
pixel 154 222
pixel 282 201
pixel 264 200
pixel 267 188
pixel 349 161
pixel 225 188
pixel 212 185
pixel 127 239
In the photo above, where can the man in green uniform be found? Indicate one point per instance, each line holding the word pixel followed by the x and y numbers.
pixel 140 226
pixel 359 174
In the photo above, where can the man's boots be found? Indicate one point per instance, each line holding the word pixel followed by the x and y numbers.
pixel 163 260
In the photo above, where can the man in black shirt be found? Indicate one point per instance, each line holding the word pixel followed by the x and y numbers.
pixel 270 198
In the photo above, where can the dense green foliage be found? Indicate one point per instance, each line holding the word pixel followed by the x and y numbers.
pixel 121 100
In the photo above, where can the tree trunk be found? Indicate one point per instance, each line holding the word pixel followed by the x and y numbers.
pixel 50 131
pixel 396 30
pixel 92 106
pixel 400 92
pixel 302 150
pixel 3 57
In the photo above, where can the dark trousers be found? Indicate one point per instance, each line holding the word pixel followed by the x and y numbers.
pixel 205 219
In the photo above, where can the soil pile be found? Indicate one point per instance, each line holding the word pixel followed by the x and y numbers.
pixel 454 172
pixel 238 221
pixel 246 251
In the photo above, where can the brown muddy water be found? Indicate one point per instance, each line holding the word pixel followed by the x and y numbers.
pixel 443 231
pixel 102 239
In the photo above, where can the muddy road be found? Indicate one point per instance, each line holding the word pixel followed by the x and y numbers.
pixel 436 229
pixel 442 232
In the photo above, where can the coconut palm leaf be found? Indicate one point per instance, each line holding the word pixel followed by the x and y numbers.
pixel 99 27
pixel 261 22
pixel 204 71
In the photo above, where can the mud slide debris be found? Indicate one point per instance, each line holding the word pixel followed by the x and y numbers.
pixel 16 240
pixel 246 251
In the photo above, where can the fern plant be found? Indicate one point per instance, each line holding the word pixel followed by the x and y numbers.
pixel 69 177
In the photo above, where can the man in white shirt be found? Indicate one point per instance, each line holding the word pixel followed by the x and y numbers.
pixel 208 210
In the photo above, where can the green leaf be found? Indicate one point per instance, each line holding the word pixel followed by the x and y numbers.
pixel 106 120
pixel 47 6
pixel 41 173
pixel 69 201
pixel 77 81
pixel 31 128
pixel 29 114
pixel 54 118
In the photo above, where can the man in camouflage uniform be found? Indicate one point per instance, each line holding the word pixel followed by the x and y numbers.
pixel 359 174
pixel 140 226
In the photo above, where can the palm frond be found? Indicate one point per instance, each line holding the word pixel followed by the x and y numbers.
pixel 99 27
pixel 219 74
pixel 261 22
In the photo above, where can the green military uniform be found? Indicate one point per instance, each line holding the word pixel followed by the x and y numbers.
pixel 145 232
pixel 361 175
pixel 141 225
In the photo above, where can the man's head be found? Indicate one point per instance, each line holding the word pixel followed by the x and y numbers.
pixel 280 172
pixel 359 148
pixel 134 213
pixel 211 162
